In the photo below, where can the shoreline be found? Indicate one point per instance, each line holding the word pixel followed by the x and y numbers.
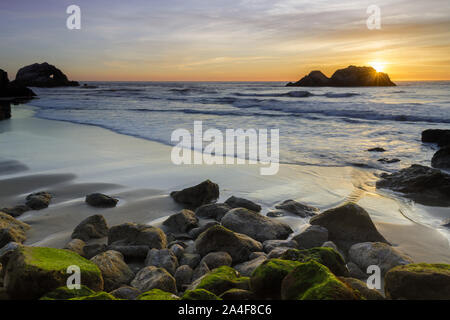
pixel 62 158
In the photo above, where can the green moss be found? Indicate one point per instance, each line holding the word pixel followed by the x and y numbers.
pixel 199 294
pixel 323 255
pixel 425 267
pixel 157 294
pixel 265 281
pixel 64 293
pixel 97 296
pixel 222 279
pixel 313 281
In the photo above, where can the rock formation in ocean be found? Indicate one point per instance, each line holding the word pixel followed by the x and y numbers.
pixel 351 76
pixel 43 75
pixel 11 92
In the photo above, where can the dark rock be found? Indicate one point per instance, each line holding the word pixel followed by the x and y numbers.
pixel 200 271
pixel 5 110
pixel 16 211
pixel 277 252
pixel 152 277
pixel 190 259
pixel 237 294
pixel 351 76
pixel 177 249
pixel 93 249
pixel 11 92
pixel 255 225
pixel 101 201
pixel 246 268
pixel 422 184
pixel 361 287
pixel 297 208
pixel 311 237
pixel 386 160
pixel 355 272
pixel 126 293
pixel 441 158
pixel 218 238
pixel 255 255
pixel 114 269
pixel 183 277
pixel 235 202
pixel 446 223
pixel 39 200
pixel 347 225
pixel 42 75
pixel 198 195
pixel 377 149
pixel 182 221
pixel 418 282
pixel 194 233
pixel 93 227
pixel 163 258
pixel 77 246
pixel 213 211
pixel 439 136
pixel 217 259
pixel 275 214
pixel 131 251
pixel 137 234
pixel 269 245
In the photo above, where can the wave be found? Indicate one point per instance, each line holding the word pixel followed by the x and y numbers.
pixel 292 94
pixel 340 95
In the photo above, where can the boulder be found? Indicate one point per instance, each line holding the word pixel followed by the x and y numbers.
pixel 355 272
pixel 152 277
pixel 441 158
pixel 137 234
pixel 439 136
pixel 269 245
pixel 131 251
pixel 114 269
pixel 422 184
pixel 217 259
pixel 246 268
pixel 11 230
pixel 126 293
pixel 182 221
pixel 183 277
pixel 311 237
pixel 418 282
pixel 42 75
pixel 351 76
pixel 376 253
pixel 33 271
pixel 255 225
pixel 212 211
pixel 198 195
pixel 39 200
pixel 16 211
pixel 157 294
pixel 190 259
pixel 194 233
pixel 163 258
pixel 199 294
pixel 93 227
pixel 200 271
pixel 361 287
pixel 313 281
pixel 326 256
pixel 235 202
pixel 347 225
pixel 77 246
pixel 219 238
pixel 297 208
pixel 220 280
pixel 100 200
pixel 177 249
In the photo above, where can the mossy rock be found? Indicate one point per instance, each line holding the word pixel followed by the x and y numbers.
pixel 199 294
pixel 314 281
pixel 220 280
pixel 32 272
pixel 420 281
pixel 64 293
pixel 323 255
pixel 265 281
pixel 157 294
pixel 97 296
pixel 237 294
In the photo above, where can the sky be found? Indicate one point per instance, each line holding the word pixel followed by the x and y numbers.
pixel 226 40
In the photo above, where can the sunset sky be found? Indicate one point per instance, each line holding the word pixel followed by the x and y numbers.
pixel 279 40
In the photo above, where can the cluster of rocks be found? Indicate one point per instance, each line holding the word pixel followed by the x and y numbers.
pixel 351 76
pixel 217 251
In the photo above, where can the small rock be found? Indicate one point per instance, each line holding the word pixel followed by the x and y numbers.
pixel 114 269
pixel 217 259
pixel 183 277
pixel 376 149
pixel 163 258
pixel 16 211
pixel 39 200
pixel 355 272
pixel 269 245
pixel 178 250
pixel 194 233
pixel 137 234
pixel 386 160
pixel 213 211
pixel 198 195
pixel 93 249
pixel 297 208
pixel 235 202
pixel 11 230
pixel 131 251
pixel 77 246
pixel 152 277
pixel 311 237
pixel 181 222
pixel 200 271
pixel 439 136
pixel 126 293
pixel 246 268
pixel 100 200
pixel 441 158
pixel 93 227
pixel 275 214
pixel 190 259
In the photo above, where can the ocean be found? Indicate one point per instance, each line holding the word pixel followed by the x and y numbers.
pixel 318 126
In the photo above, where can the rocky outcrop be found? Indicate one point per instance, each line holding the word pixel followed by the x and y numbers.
pixel 198 195
pixel 351 76
pixel 255 225
pixel 347 225
pixel 422 184
pixel 43 75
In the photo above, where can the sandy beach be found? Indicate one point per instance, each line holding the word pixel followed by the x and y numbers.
pixel 71 160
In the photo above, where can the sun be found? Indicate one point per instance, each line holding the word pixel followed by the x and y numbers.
pixel 377 65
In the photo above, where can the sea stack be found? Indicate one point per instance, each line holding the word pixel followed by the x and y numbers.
pixel 351 76
pixel 43 75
